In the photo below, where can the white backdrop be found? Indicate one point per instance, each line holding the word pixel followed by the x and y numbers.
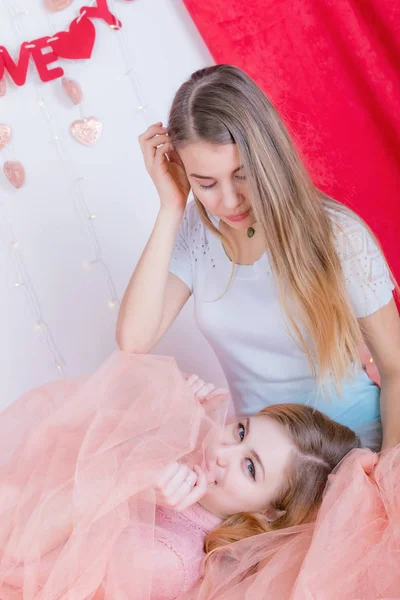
pixel 58 308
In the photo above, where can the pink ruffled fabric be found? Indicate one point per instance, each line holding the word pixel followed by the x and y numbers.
pixel 78 464
pixel 79 460
pixel 352 552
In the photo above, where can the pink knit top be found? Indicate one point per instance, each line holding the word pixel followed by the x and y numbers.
pixel 179 539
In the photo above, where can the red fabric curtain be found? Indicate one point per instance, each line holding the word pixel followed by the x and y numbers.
pixel 332 69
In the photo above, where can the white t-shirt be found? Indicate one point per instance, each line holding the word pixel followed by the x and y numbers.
pixel 244 322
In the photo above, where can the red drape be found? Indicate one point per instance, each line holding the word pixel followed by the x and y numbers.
pixel 332 68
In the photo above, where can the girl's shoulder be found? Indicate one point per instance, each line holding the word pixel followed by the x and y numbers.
pixel 367 277
pixel 352 237
pixel 343 219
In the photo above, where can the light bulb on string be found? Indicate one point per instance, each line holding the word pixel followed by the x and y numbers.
pixel 89 263
pixel 81 178
pixel 19 13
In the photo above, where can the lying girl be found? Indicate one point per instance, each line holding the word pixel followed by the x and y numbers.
pixel 112 486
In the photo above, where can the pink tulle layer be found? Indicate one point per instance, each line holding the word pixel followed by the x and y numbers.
pixel 78 463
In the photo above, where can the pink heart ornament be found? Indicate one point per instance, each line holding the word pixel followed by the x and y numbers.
pixel 72 89
pixel 5 135
pixel 56 5
pixel 87 131
pixel 15 173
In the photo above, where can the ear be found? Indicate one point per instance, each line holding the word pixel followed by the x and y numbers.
pixel 175 158
pixel 271 514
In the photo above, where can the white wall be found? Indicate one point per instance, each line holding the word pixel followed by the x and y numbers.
pixel 46 236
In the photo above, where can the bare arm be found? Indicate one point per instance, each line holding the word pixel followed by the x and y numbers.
pixel 382 336
pixel 155 297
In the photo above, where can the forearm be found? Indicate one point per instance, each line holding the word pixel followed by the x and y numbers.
pixel 390 410
pixel 143 303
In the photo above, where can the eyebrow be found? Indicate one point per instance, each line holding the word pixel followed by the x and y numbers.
pixel 253 452
pixel 209 177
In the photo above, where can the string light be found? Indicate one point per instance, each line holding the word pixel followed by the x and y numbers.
pixel 23 283
pixel 141 107
pixel 19 13
pixel 80 204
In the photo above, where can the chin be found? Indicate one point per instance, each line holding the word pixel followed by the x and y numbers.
pixel 240 225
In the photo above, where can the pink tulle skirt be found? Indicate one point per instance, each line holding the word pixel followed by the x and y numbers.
pixel 78 463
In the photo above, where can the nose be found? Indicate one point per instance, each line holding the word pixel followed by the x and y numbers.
pixel 231 197
pixel 225 455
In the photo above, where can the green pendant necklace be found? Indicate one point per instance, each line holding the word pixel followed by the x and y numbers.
pixel 250 232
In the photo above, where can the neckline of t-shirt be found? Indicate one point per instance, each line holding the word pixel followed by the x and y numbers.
pixel 238 266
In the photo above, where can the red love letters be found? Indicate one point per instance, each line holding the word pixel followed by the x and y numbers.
pixel 76 43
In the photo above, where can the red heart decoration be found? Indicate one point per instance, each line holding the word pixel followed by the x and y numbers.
pixel 76 43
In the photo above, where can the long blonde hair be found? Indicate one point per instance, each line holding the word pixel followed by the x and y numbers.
pixel 320 445
pixel 220 105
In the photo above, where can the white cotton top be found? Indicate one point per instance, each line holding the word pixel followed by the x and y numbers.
pixel 244 322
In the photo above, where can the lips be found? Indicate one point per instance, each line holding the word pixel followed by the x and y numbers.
pixel 240 217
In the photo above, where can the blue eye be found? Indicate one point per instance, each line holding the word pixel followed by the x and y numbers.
pixel 207 187
pixel 249 463
pixel 251 468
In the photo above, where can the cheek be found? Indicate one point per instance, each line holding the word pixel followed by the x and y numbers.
pixel 238 496
pixel 235 486
pixel 241 494
pixel 210 200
